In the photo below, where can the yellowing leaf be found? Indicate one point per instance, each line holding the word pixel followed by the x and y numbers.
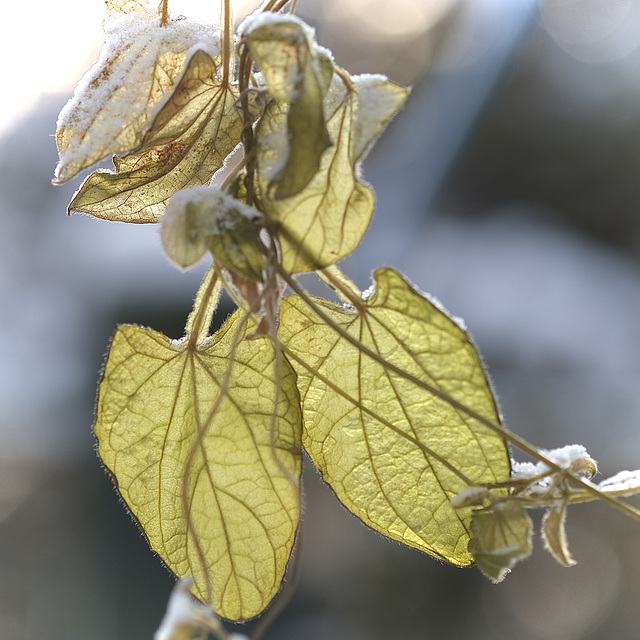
pixel 115 103
pixel 174 425
pixel 394 452
pixel 187 143
pixel 325 221
pixel 297 77
pixel 501 537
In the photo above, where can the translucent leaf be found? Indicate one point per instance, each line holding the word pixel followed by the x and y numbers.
pixel 187 143
pixel 297 77
pixel 327 219
pixel 554 534
pixel 394 452
pixel 206 218
pixel 501 536
pixel 173 424
pixel 114 104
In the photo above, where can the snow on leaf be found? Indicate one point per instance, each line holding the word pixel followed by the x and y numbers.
pixel 326 221
pixel 187 143
pixel 395 453
pixel 206 218
pixel 114 104
pixel 501 536
pixel 177 427
pixel 623 483
pixel 298 78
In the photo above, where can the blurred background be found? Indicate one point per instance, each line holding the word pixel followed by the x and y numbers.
pixel 508 188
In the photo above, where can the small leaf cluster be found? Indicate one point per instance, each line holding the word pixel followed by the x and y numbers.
pixel 247 147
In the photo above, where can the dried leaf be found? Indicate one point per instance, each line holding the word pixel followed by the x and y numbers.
pixel 171 413
pixel 395 453
pixel 114 104
pixel 501 536
pixel 187 143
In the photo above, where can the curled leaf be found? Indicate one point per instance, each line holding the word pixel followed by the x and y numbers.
pixel 394 452
pixel 325 221
pixel 187 143
pixel 501 536
pixel 175 423
pixel 114 104
pixel 554 534
pixel 206 218
pixel 297 77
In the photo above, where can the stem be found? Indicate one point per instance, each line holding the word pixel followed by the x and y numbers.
pixel 204 307
pixel 163 12
pixel 227 43
pixel 248 140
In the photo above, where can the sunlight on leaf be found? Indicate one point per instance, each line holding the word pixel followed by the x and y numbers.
pixel 161 423
pixel 297 78
pixel 327 219
pixel 397 473
pixel 114 104
pixel 187 143
pixel 501 536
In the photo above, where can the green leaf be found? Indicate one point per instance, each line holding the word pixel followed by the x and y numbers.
pixel 298 78
pixel 325 221
pixel 114 104
pixel 380 415
pixel 187 143
pixel 177 426
pixel 501 537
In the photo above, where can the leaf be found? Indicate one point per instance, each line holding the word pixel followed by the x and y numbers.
pixel 623 483
pixel 114 104
pixel 326 221
pixel 187 143
pixel 554 534
pixel 394 452
pixel 297 77
pixel 172 419
pixel 501 536
pixel 206 218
